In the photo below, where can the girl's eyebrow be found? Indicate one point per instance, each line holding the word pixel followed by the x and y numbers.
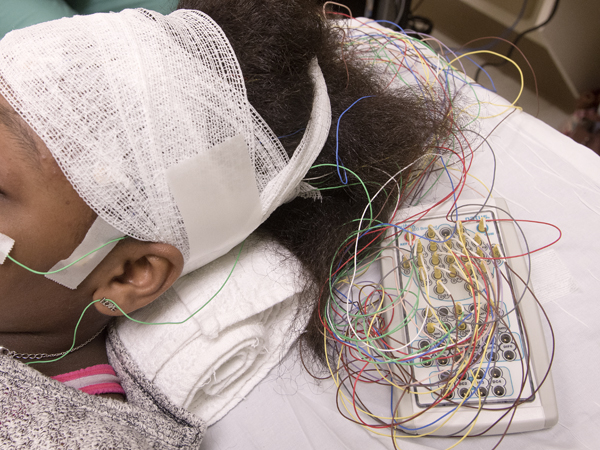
pixel 22 134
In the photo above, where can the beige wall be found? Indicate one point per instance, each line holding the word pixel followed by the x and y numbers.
pixel 565 54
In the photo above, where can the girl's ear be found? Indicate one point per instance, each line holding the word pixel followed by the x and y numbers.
pixel 134 274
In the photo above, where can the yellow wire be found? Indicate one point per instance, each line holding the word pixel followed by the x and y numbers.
pixel 474 177
pixel 507 59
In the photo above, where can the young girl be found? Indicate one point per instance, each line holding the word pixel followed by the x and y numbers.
pixel 166 141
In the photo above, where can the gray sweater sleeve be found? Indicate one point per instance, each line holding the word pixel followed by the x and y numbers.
pixel 37 412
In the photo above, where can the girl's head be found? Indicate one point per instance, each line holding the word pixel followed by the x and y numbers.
pixel 147 118
pixel 132 124
pixel 155 126
pixel 47 219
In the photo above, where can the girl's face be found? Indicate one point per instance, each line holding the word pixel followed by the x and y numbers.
pixel 41 211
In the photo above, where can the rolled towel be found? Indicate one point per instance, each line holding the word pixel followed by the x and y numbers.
pixel 209 363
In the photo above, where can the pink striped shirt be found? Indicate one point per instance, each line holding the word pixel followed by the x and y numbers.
pixel 95 380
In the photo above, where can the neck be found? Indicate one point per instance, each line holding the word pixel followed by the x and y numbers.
pixel 91 354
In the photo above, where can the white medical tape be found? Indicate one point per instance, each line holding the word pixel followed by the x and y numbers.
pixel 217 213
pixel 99 233
pixel 6 245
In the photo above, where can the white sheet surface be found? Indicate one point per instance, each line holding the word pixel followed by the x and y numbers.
pixel 544 176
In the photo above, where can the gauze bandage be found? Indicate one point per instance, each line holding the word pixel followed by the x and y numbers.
pixel 148 118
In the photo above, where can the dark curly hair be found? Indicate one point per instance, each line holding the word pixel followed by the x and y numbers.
pixel 274 41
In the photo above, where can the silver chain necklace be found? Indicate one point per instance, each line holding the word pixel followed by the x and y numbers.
pixel 12 354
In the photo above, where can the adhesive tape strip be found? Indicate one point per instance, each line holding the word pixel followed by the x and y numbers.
pixel 99 233
pixel 217 196
pixel 6 245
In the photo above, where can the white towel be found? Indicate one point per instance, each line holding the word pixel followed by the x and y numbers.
pixel 209 363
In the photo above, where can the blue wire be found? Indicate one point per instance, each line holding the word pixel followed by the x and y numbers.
pixel 394 24
pixel 292 134
pixel 337 141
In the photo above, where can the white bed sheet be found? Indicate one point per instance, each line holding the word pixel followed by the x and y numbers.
pixel 544 176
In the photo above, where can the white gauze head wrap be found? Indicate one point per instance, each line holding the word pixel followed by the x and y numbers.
pixel 148 118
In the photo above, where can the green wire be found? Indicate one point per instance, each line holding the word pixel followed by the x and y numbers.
pixel 357 177
pixel 139 321
pixel 67 266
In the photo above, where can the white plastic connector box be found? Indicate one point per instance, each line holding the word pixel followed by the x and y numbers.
pixel 498 375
